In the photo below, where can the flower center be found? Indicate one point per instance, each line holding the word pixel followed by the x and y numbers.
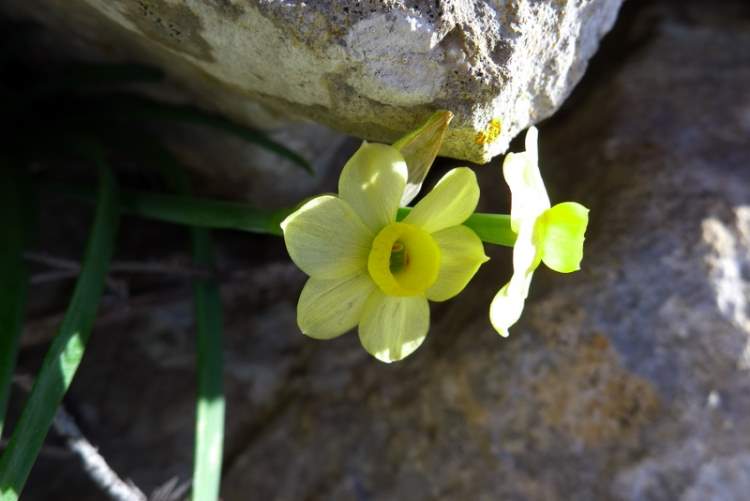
pixel 404 260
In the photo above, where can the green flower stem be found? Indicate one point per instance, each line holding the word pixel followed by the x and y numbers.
pixel 14 280
pixel 206 213
pixel 66 351
pixel 490 228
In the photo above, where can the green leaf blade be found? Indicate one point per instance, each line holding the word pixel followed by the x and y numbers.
pixel 76 76
pixel 190 211
pixel 65 353
pixel 140 107
pixel 210 406
pixel 209 429
pixel 14 280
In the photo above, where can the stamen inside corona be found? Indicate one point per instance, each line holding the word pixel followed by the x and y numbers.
pixel 399 257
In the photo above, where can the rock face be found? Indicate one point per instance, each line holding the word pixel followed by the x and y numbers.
pixel 629 380
pixel 373 69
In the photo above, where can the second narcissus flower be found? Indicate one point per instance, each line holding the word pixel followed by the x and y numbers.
pixel 553 235
pixel 367 269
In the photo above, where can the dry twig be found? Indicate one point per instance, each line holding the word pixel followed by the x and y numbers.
pixel 93 463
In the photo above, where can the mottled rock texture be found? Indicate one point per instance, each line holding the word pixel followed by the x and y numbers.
pixel 369 68
pixel 629 380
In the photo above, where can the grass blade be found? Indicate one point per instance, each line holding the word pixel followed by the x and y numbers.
pixel 191 211
pixel 103 74
pixel 65 353
pixel 133 106
pixel 14 280
pixel 209 426
pixel 209 430
pixel 79 75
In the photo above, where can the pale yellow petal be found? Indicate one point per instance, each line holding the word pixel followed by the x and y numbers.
pixel 373 182
pixel 527 251
pixel 461 255
pixel 564 229
pixel 507 306
pixel 393 327
pixel 450 203
pixel 329 308
pixel 326 239
pixel 529 201
pixel 528 194
pixel 531 141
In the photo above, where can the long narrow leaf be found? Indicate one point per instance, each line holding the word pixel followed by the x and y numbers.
pixel 191 211
pixel 65 353
pixel 75 76
pixel 103 74
pixel 216 214
pixel 209 425
pixel 132 106
pixel 13 280
pixel 209 431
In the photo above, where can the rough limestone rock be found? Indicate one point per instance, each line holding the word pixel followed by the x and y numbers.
pixel 374 69
pixel 628 380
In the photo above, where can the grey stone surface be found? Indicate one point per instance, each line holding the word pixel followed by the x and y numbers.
pixel 629 380
pixel 373 69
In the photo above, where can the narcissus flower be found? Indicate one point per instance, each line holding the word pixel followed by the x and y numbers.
pixel 368 270
pixel 551 235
